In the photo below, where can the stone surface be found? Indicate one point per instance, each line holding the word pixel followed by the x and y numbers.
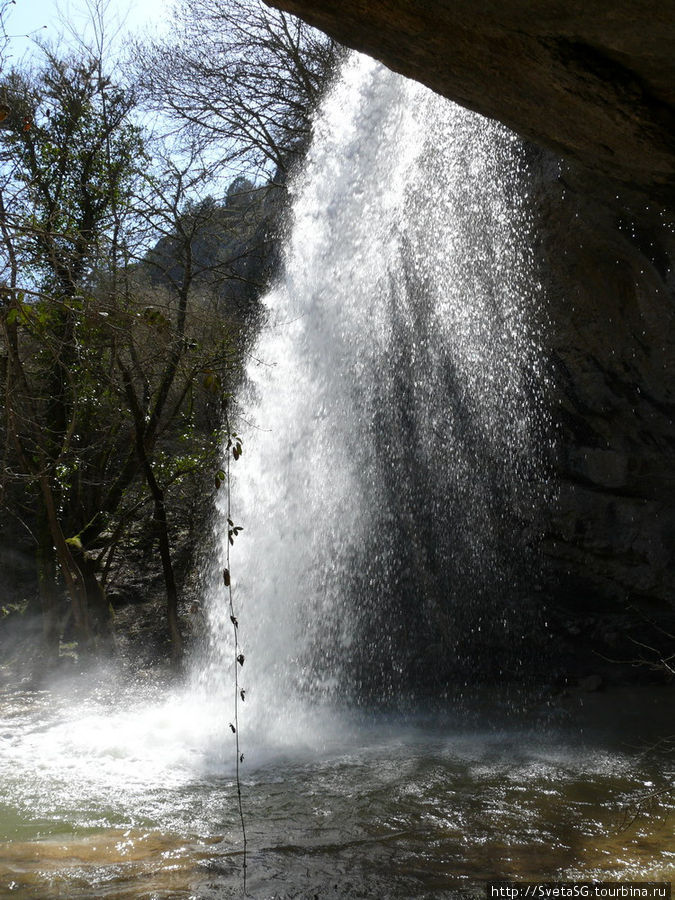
pixel 594 81
pixel 606 256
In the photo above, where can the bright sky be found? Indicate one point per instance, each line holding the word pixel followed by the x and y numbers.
pixel 31 15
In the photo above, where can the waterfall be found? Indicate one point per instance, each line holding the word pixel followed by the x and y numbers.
pixel 391 418
pixel 389 489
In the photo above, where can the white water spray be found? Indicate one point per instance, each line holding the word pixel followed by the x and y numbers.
pixel 389 427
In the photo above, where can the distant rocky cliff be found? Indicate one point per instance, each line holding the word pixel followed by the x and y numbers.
pixel 594 83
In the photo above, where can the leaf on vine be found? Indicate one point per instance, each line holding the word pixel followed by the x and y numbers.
pixel 234 730
pixel 240 659
pixel 226 577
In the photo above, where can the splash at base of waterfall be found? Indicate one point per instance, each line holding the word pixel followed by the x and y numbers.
pixel 126 800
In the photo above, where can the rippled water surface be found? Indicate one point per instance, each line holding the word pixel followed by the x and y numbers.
pixel 136 799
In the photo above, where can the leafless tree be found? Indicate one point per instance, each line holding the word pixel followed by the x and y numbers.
pixel 240 77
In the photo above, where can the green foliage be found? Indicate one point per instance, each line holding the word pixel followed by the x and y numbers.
pixel 13 609
pixel 118 374
pixel 70 156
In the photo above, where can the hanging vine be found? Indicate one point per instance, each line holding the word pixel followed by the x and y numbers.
pixel 233 452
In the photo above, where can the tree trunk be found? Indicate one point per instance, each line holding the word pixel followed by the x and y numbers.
pixel 69 568
pixel 161 524
pixel 100 618
pixel 167 567
pixel 160 518
pixel 49 595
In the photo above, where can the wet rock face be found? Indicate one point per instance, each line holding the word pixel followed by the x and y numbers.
pixel 592 80
pixel 607 259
